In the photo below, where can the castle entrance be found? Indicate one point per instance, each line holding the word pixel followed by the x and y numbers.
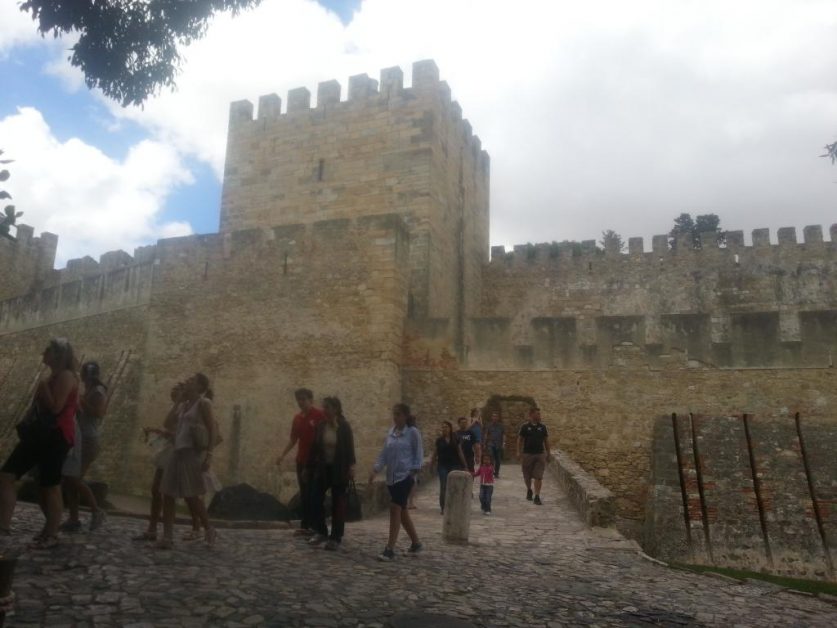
pixel 514 412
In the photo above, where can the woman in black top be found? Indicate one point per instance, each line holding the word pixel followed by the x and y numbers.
pixel 331 464
pixel 447 457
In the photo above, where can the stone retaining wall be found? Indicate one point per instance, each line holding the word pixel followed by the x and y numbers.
pixel 595 503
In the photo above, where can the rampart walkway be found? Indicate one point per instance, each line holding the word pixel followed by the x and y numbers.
pixel 528 566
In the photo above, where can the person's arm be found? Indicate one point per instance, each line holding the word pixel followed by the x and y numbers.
pixel 53 397
pixel 461 455
pixel 380 462
pixel 95 403
pixel 434 456
pixel 418 451
pixel 294 438
pixel 350 443
pixel 546 447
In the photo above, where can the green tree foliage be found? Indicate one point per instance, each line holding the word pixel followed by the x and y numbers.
pixel 685 225
pixel 612 239
pixel 9 216
pixel 128 48
pixel 831 152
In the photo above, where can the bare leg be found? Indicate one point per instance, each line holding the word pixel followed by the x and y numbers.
pixel 53 506
pixel 168 518
pixel 409 527
pixel 538 486
pixel 196 522
pixel 156 503
pixel 394 524
pixel 71 487
pixel 8 499
pixel 86 495
pixel 197 506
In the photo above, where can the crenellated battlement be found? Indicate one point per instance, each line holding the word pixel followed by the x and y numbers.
pixel 32 258
pixel 118 280
pixel 812 244
pixel 366 96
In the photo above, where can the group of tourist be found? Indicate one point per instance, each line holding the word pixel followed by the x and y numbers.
pixel 59 437
pixel 461 449
pixel 59 440
pixel 183 463
pixel 325 461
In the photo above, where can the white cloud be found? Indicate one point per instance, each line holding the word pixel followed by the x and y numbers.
pixel 602 114
pixel 94 203
pixel 16 27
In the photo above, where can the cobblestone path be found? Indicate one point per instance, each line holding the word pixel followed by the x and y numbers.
pixel 528 566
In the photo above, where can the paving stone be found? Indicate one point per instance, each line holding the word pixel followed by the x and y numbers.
pixel 526 566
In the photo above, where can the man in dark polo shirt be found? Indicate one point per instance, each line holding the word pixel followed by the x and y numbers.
pixel 533 451
pixel 303 430
pixel 469 442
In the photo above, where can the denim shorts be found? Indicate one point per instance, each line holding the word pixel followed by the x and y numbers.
pixel 400 491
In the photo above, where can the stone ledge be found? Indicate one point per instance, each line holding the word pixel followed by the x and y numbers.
pixel 595 503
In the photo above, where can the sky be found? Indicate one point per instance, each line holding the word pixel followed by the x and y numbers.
pixel 597 115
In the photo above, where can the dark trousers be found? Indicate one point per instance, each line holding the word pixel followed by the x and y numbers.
pixel 486 491
pixel 305 497
pixel 497 455
pixel 443 484
pixel 324 482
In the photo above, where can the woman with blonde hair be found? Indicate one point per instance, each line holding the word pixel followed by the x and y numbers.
pixel 46 435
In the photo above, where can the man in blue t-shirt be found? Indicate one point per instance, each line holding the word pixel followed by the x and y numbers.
pixel 469 442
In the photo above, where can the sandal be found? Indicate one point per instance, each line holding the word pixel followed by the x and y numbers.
pixel 211 537
pixel 192 535
pixel 164 544
pixel 44 543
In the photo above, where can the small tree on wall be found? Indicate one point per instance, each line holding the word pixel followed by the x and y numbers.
pixel 612 239
pixel 685 225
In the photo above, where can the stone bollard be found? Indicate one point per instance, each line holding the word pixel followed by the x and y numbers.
pixel 456 523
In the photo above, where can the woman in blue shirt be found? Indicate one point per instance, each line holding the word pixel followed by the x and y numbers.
pixel 402 455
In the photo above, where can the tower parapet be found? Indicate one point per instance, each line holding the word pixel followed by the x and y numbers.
pixel 26 260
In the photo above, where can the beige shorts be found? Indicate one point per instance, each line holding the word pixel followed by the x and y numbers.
pixel 533 466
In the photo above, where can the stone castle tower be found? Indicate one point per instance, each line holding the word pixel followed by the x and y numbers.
pixel 353 258
pixel 386 150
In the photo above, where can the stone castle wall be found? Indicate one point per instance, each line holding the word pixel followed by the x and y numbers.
pixel 352 258
pixel 261 311
pixel 747 491
pixel 762 305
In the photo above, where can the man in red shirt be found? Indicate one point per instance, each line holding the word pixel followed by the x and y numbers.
pixel 303 429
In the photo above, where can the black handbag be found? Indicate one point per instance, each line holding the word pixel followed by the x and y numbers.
pixel 36 424
pixel 354 508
